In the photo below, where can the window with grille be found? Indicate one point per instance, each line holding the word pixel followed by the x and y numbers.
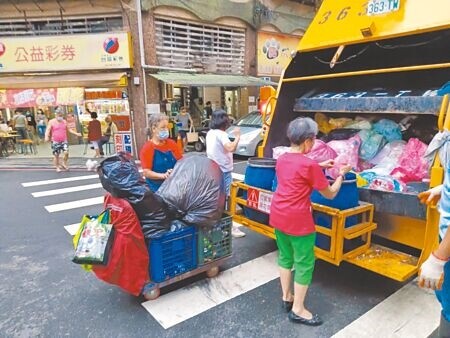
pixel 204 47
pixel 56 26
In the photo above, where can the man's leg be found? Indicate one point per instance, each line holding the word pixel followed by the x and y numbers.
pixel 65 149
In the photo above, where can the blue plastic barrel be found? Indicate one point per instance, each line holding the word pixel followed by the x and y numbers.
pixel 346 198
pixel 260 173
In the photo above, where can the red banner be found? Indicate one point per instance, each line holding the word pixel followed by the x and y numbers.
pixel 24 98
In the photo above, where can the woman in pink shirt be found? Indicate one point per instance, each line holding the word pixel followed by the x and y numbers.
pixel 57 130
pixel 291 216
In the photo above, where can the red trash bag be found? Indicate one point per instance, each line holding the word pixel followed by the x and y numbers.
pixel 128 259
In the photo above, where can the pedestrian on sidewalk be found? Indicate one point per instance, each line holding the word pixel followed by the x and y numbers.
pixel 160 154
pixel 20 124
pixel 57 132
pixel 111 129
pixel 183 119
pixel 41 120
pixel 220 148
pixel 291 216
pixel 95 133
pixel 435 271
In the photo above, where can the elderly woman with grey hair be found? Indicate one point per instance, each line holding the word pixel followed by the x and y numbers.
pixel 160 154
pixel 291 216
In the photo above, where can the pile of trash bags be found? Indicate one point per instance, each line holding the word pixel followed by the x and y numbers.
pixel 193 194
pixel 388 155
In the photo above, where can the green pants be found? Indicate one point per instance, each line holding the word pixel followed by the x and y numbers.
pixel 297 252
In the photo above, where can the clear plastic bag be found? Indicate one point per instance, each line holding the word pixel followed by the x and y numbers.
pixel 278 151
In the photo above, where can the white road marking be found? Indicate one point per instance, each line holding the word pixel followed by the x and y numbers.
pixel 239 177
pixel 72 228
pixel 410 312
pixel 74 204
pixel 66 190
pixel 182 304
pixel 59 180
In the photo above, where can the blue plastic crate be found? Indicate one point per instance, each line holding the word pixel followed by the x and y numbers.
pixel 174 253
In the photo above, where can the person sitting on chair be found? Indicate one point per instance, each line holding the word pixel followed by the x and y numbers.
pixel 111 129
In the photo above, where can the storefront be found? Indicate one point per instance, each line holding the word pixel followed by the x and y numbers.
pixel 79 73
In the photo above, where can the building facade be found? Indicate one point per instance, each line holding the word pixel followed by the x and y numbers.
pixel 130 58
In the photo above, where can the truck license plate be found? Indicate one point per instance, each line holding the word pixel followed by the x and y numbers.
pixel 376 7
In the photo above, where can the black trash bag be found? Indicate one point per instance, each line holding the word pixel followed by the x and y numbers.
pixel 340 134
pixel 120 176
pixel 195 188
pixel 153 214
pixel 422 127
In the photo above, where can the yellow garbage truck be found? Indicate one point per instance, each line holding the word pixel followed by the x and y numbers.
pixel 377 59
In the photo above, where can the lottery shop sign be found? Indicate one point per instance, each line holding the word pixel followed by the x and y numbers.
pixel 259 200
pixel 123 142
pixel 65 52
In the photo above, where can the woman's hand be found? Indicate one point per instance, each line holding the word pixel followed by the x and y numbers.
pixel 166 174
pixel 345 169
pixel 236 132
pixel 430 196
pixel 327 164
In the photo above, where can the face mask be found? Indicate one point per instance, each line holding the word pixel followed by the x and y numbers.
pixel 163 134
pixel 59 118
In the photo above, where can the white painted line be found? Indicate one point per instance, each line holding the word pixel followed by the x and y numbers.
pixel 66 190
pixel 239 177
pixel 59 180
pixel 72 228
pixel 74 204
pixel 410 312
pixel 180 305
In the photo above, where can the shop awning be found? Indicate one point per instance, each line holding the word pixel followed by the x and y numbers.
pixel 211 80
pixel 91 80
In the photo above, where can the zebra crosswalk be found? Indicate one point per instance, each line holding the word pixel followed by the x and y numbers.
pixel 409 312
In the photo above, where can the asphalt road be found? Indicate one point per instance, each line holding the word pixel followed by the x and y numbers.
pixel 44 294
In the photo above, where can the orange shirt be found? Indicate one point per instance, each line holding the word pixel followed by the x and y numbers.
pixel 147 151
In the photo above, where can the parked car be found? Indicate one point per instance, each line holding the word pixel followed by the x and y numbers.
pixel 251 139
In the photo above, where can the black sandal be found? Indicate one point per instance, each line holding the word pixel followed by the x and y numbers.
pixel 314 321
pixel 287 306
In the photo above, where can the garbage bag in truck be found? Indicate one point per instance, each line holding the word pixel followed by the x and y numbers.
pixel 195 188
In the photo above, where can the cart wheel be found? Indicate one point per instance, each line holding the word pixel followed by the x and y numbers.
pixel 198 146
pixel 213 272
pixel 152 294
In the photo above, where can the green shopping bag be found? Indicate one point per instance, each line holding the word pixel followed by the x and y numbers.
pixel 93 240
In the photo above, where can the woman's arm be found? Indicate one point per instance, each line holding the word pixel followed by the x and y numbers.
pixel 331 191
pixel 48 131
pixel 231 146
pixel 156 176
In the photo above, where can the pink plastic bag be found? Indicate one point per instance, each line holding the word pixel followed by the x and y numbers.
pixel 347 154
pixel 411 165
pixel 321 152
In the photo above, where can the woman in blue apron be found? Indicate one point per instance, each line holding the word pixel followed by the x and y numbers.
pixel 158 155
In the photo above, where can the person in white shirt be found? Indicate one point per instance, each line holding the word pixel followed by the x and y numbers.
pixel 220 148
